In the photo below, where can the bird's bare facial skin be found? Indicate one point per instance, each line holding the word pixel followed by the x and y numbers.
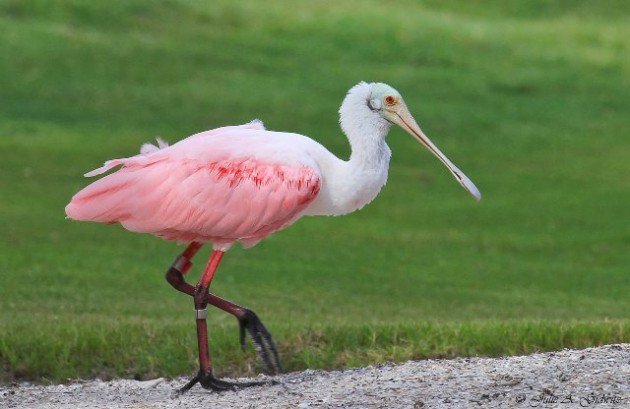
pixel 383 98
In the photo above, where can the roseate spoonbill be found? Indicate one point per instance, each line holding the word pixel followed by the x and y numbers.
pixel 242 183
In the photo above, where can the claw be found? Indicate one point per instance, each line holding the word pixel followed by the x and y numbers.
pixel 243 341
pixel 189 384
pixel 208 381
pixel 262 340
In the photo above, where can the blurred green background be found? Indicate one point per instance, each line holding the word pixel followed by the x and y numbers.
pixel 529 98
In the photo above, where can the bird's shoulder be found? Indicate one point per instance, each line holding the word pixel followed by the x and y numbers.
pixel 225 146
pixel 237 144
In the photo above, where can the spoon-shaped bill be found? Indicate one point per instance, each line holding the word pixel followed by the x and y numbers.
pixel 403 118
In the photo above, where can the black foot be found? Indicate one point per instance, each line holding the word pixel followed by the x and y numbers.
pixel 208 381
pixel 262 341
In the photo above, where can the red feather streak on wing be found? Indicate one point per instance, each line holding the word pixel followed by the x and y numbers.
pixel 185 200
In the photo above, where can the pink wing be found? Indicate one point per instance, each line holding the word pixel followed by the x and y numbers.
pixel 179 197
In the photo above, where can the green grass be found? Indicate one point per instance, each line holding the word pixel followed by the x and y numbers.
pixel 530 99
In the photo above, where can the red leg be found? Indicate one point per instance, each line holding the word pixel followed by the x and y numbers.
pixel 181 265
pixel 202 298
pixel 250 323
pixel 247 319
pixel 201 312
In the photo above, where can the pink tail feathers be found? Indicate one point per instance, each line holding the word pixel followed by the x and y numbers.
pixel 102 201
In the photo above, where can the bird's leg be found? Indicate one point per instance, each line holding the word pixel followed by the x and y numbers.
pixel 248 320
pixel 205 377
pixel 181 265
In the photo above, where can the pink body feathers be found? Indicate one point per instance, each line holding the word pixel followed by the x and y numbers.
pixel 230 184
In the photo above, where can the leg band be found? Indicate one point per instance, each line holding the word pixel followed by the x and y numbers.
pixel 201 314
pixel 182 264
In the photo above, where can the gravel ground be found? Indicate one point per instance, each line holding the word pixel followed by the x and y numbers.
pixel 594 377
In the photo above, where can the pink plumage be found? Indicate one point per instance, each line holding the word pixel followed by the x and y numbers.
pixel 221 186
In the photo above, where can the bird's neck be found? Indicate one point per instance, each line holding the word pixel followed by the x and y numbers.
pixel 365 173
pixel 368 152
pixel 352 184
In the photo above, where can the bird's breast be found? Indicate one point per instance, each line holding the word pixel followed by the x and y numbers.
pixel 347 187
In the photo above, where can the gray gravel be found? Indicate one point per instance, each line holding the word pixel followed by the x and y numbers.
pixel 594 377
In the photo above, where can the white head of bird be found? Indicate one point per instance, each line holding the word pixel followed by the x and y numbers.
pixel 369 110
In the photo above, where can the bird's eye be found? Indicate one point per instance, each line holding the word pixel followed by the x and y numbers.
pixel 389 100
